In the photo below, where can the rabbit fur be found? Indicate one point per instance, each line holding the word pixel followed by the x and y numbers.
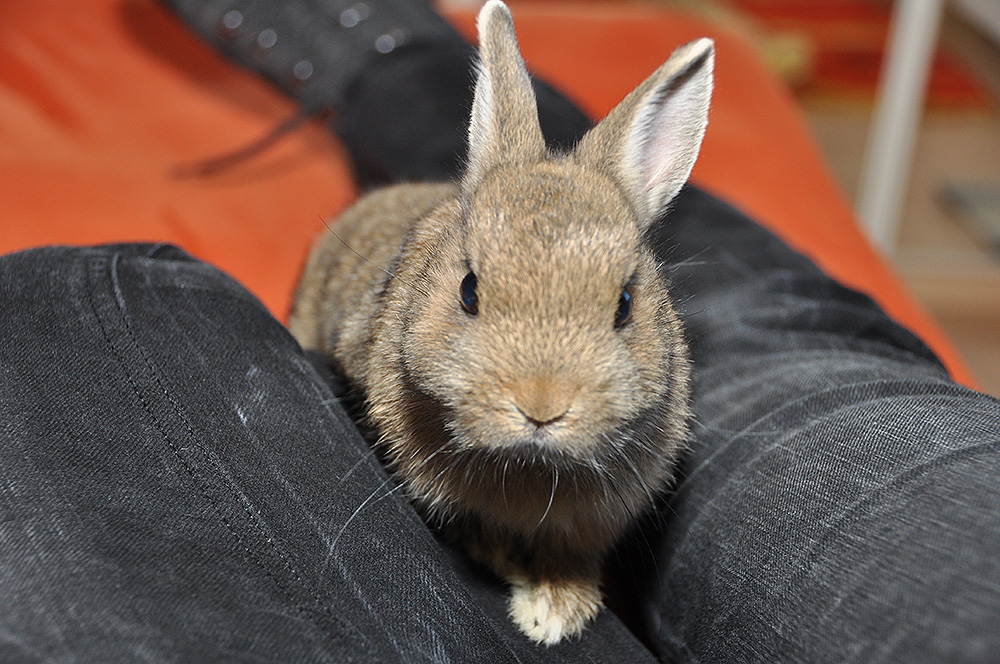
pixel 534 414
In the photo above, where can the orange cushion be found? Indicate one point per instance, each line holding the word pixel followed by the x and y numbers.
pixel 101 99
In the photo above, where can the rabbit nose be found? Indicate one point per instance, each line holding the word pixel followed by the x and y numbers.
pixel 543 401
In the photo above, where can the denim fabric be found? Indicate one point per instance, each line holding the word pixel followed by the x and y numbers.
pixel 179 484
pixel 841 502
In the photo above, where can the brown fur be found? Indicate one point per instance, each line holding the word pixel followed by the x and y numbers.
pixel 553 240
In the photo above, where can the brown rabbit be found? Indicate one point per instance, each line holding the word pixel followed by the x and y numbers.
pixel 523 370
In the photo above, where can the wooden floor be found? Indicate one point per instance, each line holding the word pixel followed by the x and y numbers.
pixel 940 256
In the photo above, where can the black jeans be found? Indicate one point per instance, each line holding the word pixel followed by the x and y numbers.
pixel 179 482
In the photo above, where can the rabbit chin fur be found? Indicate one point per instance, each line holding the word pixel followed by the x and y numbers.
pixel 535 429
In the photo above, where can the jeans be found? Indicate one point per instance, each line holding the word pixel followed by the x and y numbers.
pixel 841 502
pixel 179 482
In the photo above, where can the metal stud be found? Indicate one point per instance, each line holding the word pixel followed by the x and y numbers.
pixel 385 44
pixel 267 38
pixel 231 22
pixel 302 70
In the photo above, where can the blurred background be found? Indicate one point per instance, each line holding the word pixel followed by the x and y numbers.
pixel 944 238
pixel 946 241
pixel 943 232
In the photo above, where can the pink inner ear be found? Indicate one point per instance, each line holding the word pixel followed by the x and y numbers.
pixel 660 162
pixel 673 138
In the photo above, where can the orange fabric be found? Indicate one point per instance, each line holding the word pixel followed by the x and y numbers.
pixel 100 99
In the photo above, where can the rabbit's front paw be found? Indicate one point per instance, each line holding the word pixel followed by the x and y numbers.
pixel 549 611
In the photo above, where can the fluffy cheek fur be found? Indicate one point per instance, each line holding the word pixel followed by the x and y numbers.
pixel 468 451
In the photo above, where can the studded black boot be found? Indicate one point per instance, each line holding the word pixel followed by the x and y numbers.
pixel 313 49
pixel 396 75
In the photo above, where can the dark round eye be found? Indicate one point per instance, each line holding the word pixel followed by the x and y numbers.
pixel 624 308
pixel 470 301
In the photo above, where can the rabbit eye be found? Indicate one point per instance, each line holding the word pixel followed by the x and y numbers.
pixel 624 312
pixel 470 301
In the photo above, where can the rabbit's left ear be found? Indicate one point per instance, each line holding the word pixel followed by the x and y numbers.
pixel 504 125
pixel 650 141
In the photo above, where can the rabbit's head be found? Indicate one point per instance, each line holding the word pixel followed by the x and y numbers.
pixel 547 332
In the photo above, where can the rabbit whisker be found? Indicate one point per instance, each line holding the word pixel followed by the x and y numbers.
pixel 371 496
pixel 419 289
pixel 552 495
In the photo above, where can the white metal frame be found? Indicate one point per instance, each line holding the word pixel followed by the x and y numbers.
pixel 902 88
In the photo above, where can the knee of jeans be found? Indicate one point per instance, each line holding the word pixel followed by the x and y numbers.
pixel 158 250
pixel 60 278
pixel 163 265
pixel 51 258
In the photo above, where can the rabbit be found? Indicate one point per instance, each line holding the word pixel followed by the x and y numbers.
pixel 521 367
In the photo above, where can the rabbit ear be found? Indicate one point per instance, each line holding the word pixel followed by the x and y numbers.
pixel 504 125
pixel 650 141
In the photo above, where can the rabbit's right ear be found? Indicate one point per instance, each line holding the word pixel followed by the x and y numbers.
pixel 650 141
pixel 504 124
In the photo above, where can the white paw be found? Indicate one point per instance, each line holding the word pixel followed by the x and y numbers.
pixel 549 611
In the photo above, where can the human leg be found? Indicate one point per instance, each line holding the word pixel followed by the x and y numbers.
pixel 839 502
pixel 178 483
pixel 386 68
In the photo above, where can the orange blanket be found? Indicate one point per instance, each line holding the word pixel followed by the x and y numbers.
pixel 101 99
